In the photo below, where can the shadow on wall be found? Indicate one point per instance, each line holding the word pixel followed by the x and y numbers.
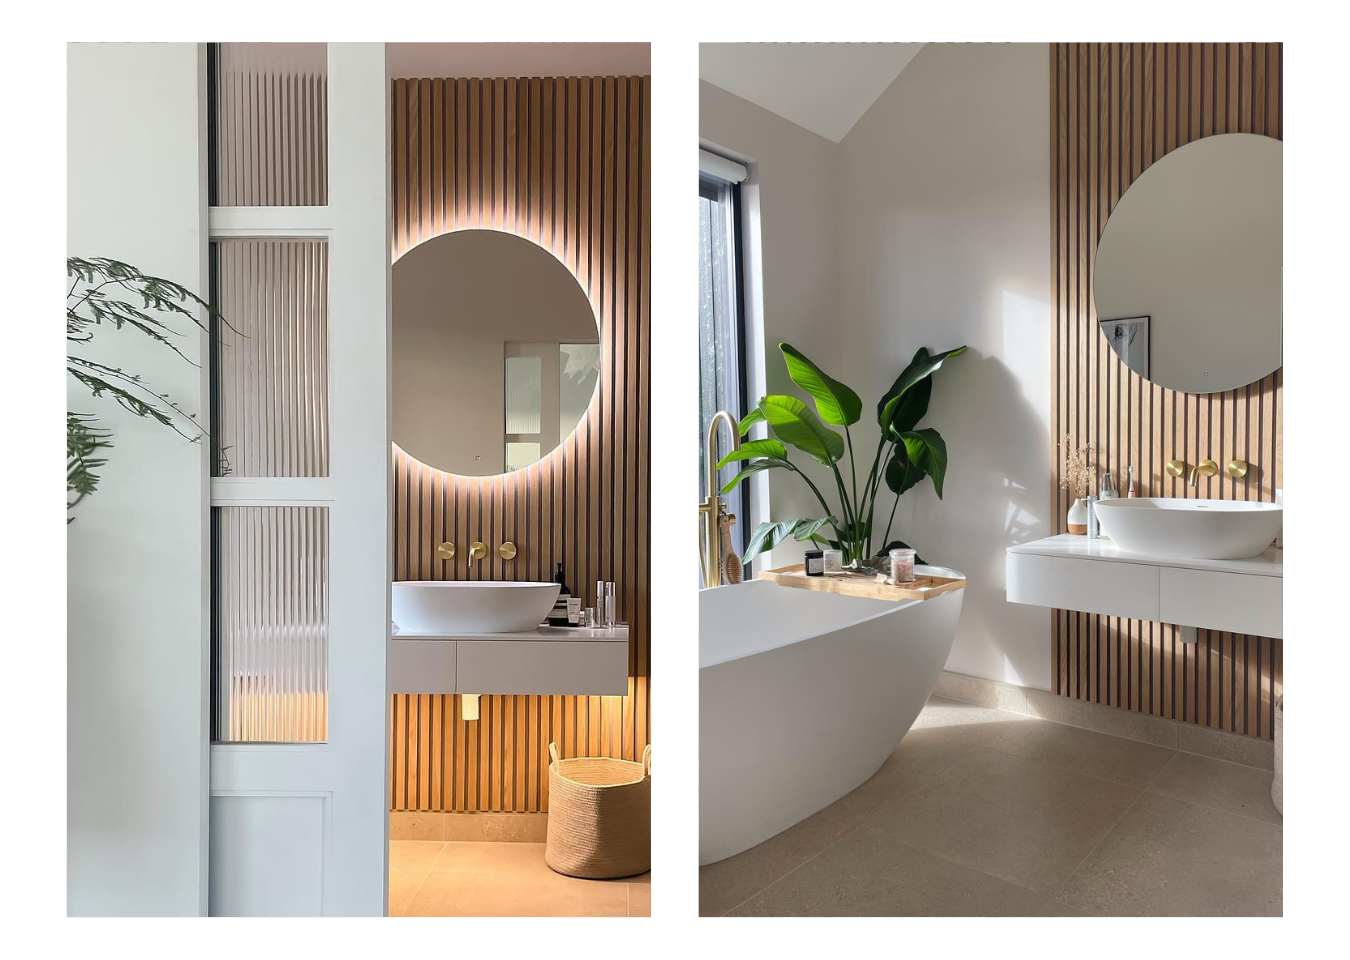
pixel 995 491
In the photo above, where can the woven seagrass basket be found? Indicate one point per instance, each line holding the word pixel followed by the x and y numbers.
pixel 599 816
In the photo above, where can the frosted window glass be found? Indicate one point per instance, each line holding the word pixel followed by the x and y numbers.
pixel 270 632
pixel 578 373
pixel 524 394
pixel 520 455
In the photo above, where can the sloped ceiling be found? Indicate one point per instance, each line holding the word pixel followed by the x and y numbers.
pixel 824 87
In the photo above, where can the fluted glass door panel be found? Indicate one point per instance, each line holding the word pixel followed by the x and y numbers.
pixel 270 362
pixel 270 124
pixel 270 631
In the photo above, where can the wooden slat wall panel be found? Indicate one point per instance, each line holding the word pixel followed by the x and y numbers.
pixel 563 162
pixel 1115 110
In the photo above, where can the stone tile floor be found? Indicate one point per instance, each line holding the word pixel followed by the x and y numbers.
pixel 980 812
pixel 429 878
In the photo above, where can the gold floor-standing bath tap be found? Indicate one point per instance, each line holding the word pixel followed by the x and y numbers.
pixel 710 511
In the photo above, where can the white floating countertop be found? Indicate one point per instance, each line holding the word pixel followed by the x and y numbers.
pixel 615 634
pixel 1270 563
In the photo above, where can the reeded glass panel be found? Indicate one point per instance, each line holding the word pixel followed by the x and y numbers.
pixel 524 394
pixel 270 124
pixel 270 362
pixel 270 635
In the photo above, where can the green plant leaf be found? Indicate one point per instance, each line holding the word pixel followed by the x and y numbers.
pixel 806 529
pixel 927 451
pixel 793 422
pixel 900 543
pixel 755 448
pixel 767 536
pixel 757 467
pixel 835 402
pixel 901 472
pixel 749 420
pixel 912 389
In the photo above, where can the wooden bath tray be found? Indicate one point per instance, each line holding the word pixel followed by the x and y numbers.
pixel 852 584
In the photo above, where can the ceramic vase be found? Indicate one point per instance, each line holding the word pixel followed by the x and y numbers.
pixel 1078 517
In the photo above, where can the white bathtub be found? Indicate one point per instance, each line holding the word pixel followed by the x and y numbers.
pixel 802 697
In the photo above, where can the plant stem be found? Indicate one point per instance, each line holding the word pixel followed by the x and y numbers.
pixel 887 539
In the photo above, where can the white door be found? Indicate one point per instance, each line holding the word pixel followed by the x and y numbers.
pixel 302 552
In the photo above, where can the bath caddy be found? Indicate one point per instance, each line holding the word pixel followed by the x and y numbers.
pixel 852 584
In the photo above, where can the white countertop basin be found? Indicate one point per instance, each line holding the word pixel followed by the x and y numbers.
pixel 1198 529
pixel 464 607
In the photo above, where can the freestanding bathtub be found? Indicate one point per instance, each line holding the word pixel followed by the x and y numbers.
pixel 802 696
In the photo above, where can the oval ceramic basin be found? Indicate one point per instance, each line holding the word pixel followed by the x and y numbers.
pixel 1198 529
pixel 452 608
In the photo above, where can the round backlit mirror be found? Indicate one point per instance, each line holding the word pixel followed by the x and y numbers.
pixel 496 352
pixel 1189 267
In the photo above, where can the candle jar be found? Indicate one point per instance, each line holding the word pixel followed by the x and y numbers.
pixel 902 565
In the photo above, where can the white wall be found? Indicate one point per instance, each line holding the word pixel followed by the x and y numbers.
pixel 792 285
pixel 137 670
pixel 945 239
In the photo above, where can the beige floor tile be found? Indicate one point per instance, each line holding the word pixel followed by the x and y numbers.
pixel 1170 858
pixel 918 758
pixel 413 854
pixel 491 857
pixel 863 875
pixel 402 885
pixel 723 885
pixel 968 723
pixel 1083 751
pixel 1230 787
pixel 1023 821
pixel 447 893
pixel 640 899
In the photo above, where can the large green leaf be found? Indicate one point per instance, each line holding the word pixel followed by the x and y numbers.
pixel 836 402
pixel 755 448
pixel 757 467
pixel 806 529
pixel 767 536
pixel 793 422
pixel 749 420
pixel 928 451
pixel 912 391
pixel 901 472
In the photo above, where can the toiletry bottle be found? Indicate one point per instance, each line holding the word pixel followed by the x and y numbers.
pixel 611 605
pixel 1093 532
pixel 1108 488
pixel 558 616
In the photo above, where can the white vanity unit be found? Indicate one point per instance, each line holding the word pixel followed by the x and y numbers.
pixel 1098 576
pixel 546 660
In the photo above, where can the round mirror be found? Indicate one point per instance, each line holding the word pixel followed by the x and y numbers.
pixel 1189 268
pixel 496 352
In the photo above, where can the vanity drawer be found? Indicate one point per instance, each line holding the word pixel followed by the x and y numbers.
pixel 1234 602
pixel 1115 589
pixel 568 667
pixel 421 666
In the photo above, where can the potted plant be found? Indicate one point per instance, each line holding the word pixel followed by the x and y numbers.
pixel 905 454
pixel 1076 478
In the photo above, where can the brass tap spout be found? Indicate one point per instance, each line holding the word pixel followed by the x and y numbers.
pixel 710 510
pixel 1205 468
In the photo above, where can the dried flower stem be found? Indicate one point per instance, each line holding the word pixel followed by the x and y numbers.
pixel 1078 470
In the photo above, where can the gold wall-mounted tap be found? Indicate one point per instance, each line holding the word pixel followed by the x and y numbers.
pixel 710 511
pixel 1205 468
pixel 507 551
pixel 1176 468
pixel 1237 469
pixel 477 551
pixel 446 551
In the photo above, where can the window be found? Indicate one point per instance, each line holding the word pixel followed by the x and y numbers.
pixel 721 382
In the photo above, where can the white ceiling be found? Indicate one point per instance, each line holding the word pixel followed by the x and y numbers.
pixel 519 59
pixel 824 87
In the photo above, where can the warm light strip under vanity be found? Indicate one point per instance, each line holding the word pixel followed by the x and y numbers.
pixel 1095 576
